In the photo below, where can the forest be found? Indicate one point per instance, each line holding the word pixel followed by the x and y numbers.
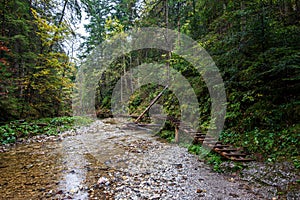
pixel 255 45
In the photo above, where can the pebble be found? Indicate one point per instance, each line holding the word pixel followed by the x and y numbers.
pixel 151 169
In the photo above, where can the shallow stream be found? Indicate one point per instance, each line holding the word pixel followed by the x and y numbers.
pixel 109 160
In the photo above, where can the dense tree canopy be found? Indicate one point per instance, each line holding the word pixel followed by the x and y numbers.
pixel 36 73
pixel 255 44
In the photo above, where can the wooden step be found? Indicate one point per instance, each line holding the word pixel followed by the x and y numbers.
pixel 234 154
pixel 242 159
pixel 207 138
pixel 218 145
pixel 211 142
pixel 225 150
pixel 198 134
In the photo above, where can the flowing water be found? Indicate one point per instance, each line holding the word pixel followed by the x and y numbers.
pixel 108 160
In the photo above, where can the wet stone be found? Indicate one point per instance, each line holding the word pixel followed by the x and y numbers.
pixel 109 161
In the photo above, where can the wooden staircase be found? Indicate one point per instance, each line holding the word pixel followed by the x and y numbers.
pixel 227 151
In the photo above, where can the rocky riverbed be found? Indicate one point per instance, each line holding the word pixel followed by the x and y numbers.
pixel 109 160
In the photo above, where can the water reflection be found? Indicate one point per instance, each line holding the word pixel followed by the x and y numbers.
pixel 74 162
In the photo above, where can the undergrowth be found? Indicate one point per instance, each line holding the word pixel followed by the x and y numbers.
pixel 10 132
pixel 271 145
pixel 211 158
pixel 167 132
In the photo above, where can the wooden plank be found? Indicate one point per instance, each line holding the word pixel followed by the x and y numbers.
pixel 235 154
pixel 151 104
pixel 149 125
pixel 225 150
pixel 211 142
pixel 242 159
pixel 176 135
pixel 221 146
pixel 200 134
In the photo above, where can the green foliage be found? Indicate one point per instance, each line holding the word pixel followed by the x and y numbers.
pixel 296 162
pixel 210 157
pixel 276 143
pixel 215 161
pixel 107 20
pixel 36 74
pixel 167 134
pixel 195 149
pixel 255 45
pixel 9 133
pixel 256 48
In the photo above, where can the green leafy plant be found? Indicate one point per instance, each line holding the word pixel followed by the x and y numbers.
pixel 49 126
pixel 296 162
pixel 210 157
pixel 167 134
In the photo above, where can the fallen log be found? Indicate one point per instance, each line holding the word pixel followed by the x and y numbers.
pixel 151 104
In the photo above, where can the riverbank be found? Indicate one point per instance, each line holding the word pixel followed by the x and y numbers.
pixel 109 160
